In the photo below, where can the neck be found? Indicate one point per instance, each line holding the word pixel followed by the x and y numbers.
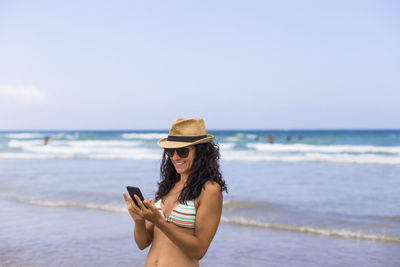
pixel 184 178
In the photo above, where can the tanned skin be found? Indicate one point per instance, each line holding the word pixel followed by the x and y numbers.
pixel 172 245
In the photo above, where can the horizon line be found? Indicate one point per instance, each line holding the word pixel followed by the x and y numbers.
pixel 227 129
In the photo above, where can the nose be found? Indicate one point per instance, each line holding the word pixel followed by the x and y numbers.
pixel 175 156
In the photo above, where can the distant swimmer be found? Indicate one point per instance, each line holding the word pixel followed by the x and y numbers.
pixel 47 139
pixel 288 138
pixel 299 137
pixel 270 139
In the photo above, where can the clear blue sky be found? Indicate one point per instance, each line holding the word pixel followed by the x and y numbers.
pixel 237 64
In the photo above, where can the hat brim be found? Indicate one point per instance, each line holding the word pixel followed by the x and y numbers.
pixel 173 144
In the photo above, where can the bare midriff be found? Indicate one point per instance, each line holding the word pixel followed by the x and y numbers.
pixel 164 252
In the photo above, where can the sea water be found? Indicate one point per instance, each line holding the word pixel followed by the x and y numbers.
pixel 310 198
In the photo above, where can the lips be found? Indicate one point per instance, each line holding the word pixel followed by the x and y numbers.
pixel 179 165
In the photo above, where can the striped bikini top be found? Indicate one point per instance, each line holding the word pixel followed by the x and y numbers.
pixel 183 215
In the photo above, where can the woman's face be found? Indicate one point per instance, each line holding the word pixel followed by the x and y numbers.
pixel 183 165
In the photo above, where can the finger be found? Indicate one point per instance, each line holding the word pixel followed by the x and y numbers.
pixel 127 201
pixel 132 202
pixel 132 207
pixel 152 207
pixel 147 201
pixel 135 208
pixel 140 203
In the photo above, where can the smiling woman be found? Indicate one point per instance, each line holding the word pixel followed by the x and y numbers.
pixel 182 158
pixel 183 220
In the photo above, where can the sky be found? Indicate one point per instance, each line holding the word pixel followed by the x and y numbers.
pixel 87 65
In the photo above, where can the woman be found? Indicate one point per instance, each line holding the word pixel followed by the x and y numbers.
pixel 184 218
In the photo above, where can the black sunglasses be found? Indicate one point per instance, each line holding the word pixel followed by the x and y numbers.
pixel 182 152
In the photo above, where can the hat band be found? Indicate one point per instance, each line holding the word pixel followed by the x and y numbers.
pixel 187 139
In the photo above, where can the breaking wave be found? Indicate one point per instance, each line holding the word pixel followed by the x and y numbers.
pixel 68 204
pixel 328 232
pixel 322 231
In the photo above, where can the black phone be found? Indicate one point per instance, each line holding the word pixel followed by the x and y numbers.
pixel 132 190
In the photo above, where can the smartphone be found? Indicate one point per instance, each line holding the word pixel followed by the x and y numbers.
pixel 135 191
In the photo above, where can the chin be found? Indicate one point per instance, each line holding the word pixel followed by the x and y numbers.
pixel 181 171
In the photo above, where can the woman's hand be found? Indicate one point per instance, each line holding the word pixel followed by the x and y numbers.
pixel 131 208
pixel 147 210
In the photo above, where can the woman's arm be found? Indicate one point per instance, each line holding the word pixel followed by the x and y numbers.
pixel 208 216
pixel 143 232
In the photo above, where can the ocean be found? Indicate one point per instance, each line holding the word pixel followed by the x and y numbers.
pixel 310 198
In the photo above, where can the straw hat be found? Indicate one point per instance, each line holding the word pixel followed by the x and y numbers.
pixel 185 133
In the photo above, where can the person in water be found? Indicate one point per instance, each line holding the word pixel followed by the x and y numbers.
pixel 47 140
pixel 182 221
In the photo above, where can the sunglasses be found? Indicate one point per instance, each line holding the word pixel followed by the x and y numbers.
pixel 182 152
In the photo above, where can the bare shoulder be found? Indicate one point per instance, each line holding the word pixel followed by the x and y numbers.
pixel 211 192
pixel 212 187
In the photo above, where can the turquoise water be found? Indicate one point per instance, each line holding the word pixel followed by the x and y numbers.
pixel 363 147
pixel 327 199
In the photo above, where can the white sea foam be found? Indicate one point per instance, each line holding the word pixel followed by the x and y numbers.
pixel 11 155
pixel 251 136
pixel 134 149
pixel 60 152
pixel 73 150
pixel 91 149
pixel 328 232
pixel 25 135
pixel 103 143
pixel 309 157
pixel 146 136
pixel 24 143
pixel 69 204
pixel 82 153
pixel 98 152
pixel 235 138
pixel 223 146
pixel 130 156
pixel 88 143
pixel 323 149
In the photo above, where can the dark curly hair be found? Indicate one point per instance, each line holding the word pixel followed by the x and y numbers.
pixel 205 168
